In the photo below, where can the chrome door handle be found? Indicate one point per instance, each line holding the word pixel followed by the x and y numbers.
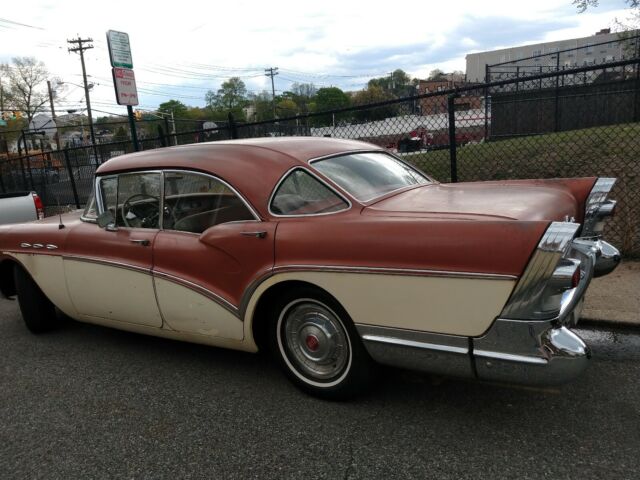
pixel 254 234
pixel 144 242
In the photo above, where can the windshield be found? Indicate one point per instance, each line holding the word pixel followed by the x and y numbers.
pixel 369 175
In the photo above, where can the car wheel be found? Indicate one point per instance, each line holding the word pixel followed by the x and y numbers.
pixel 38 312
pixel 317 345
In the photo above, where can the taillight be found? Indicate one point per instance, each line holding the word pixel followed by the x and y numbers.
pixel 565 276
pixel 575 280
pixel 39 206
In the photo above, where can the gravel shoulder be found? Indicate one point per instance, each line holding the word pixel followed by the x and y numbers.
pixel 615 298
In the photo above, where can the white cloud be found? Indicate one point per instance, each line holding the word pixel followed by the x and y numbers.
pixel 308 41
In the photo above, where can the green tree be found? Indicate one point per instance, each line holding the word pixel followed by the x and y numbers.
pixel 436 74
pixel 121 135
pixel 398 83
pixel 230 97
pixel 176 107
pixel 286 107
pixel 374 94
pixel 330 98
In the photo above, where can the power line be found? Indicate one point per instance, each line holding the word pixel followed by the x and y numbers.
pixel 11 22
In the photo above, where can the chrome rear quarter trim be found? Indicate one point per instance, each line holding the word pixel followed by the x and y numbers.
pixel 422 351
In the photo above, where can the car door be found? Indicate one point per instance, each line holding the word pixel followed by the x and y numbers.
pixel 211 247
pixel 108 271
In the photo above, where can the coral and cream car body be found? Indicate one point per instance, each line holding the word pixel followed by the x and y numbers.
pixel 207 242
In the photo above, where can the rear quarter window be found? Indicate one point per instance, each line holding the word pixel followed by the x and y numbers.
pixel 300 193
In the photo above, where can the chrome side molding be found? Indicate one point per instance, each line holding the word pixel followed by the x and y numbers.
pixel 427 352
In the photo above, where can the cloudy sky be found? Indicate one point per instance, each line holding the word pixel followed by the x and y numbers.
pixel 182 51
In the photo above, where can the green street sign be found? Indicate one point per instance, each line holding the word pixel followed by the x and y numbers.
pixel 119 49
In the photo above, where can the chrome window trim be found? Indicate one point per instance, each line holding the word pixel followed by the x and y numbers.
pixel 225 183
pixel 384 152
pixel 321 180
pixel 91 219
pixel 100 201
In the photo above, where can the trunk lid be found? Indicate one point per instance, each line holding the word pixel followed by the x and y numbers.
pixel 532 200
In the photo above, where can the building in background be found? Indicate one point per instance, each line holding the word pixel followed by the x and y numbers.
pixel 600 48
pixel 438 104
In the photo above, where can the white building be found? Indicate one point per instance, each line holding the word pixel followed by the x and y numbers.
pixel 582 51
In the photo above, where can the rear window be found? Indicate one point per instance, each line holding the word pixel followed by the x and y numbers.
pixel 300 193
pixel 369 175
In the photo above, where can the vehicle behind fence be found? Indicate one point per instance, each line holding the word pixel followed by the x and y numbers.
pixel 566 123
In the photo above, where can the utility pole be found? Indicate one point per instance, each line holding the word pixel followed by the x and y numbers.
pixel 81 47
pixel 272 72
pixel 53 113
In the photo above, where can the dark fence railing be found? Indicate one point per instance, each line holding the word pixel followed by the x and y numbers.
pixel 570 123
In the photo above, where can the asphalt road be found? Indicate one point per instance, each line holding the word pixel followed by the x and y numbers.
pixel 91 402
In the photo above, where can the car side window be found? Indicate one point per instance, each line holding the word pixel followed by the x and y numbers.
pixel 133 199
pixel 91 209
pixel 109 194
pixel 300 193
pixel 194 202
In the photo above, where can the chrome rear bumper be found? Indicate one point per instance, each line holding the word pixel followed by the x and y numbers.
pixel 530 352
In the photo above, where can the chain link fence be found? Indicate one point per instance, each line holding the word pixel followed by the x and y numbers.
pixel 569 123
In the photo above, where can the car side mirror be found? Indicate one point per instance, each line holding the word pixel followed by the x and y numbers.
pixel 106 221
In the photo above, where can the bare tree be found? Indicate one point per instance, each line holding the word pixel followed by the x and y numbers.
pixel 26 79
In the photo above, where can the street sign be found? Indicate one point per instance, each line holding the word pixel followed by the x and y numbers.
pixel 119 49
pixel 124 81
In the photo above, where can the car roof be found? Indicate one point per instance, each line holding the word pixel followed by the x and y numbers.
pixel 252 166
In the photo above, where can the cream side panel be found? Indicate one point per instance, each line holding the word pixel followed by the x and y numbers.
pixel 185 310
pixel 455 306
pixel 48 273
pixel 113 293
pixel 164 333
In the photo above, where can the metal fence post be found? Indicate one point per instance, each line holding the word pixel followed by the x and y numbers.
pixel 556 123
pixel 486 104
pixel 452 136
pixel 233 129
pixel 635 90
pixel 71 179
pixel 30 173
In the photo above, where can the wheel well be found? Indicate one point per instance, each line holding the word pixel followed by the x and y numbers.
pixel 260 319
pixel 7 282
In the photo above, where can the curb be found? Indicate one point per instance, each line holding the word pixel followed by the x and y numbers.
pixel 596 322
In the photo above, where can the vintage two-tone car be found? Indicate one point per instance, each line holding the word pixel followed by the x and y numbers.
pixel 334 254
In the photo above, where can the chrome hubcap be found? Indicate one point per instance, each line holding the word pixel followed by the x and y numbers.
pixel 315 339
